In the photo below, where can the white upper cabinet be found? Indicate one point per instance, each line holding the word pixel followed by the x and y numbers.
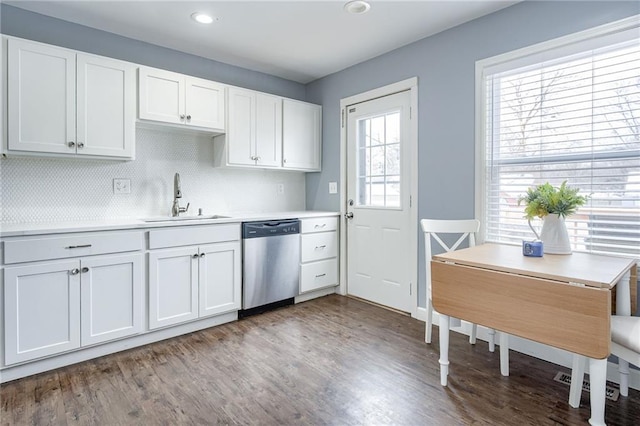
pixel 173 98
pixel 106 102
pixel 301 135
pixel 63 102
pixel 254 133
pixel 268 131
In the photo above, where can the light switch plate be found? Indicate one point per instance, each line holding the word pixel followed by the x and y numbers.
pixel 280 189
pixel 333 187
pixel 122 186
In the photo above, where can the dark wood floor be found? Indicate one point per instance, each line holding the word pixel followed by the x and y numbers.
pixel 333 360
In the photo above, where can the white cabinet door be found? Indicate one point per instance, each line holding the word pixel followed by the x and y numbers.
pixel 42 310
pixel 161 96
pixel 268 150
pixel 105 107
pixel 173 286
pixel 41 98
pixel 301 135
pixel 220 279
pixel 241 130
pixel 111 297
pixel 204 104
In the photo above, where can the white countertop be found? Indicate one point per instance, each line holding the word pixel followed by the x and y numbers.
pixel 39 228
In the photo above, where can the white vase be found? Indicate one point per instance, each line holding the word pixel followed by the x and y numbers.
pixel 554 235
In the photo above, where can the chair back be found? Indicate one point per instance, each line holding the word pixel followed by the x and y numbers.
pixel 436 227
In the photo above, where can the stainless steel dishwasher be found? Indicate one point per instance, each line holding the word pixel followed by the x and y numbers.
pixel 270 264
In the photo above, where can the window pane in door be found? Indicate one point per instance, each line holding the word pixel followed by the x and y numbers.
pixel 379 161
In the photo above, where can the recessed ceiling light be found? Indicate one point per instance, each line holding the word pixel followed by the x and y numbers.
pixel 202 18
pixel 357 7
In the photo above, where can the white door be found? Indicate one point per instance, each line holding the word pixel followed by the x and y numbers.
pixel 301 135
pixel 111 297
pixel 173 286
pixel 204 104
pixel 241 132
pixel 41 98
pixel 268 150
pixel 220 282
pixel 161 96
pixel 42 310
pixel 379 246
pixel 106 105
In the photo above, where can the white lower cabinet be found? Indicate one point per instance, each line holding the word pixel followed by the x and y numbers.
pixel 186 283
pixel 59 306
pixel 319 253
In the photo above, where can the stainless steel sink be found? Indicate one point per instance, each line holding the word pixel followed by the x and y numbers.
pixel 184 218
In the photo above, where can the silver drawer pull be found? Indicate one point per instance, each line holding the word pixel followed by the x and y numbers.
pixel 321 275
pixel 320 226
pixel 85 269
pixel 74 271
pixel 80 246
pixel 322 247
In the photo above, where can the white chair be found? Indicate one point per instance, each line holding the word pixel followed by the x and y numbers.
pixel 433 228
pixel 625 344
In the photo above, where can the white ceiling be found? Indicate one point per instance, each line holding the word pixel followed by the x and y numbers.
pixel 298 40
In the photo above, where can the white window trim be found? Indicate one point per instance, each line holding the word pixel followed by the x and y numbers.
pixel 626 24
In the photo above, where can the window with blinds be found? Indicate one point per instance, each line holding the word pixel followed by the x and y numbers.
pixel 567 114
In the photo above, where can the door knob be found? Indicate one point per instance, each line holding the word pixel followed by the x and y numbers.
pixel 349 215
pixel 74 271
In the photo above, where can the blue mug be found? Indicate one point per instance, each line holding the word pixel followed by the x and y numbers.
pixel 532 248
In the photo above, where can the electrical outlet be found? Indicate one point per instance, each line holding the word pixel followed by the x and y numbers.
pixel 280 189
pixel 122 186
pixel 333 187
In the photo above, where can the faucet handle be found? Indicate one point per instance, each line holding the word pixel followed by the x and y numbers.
pixel 184 209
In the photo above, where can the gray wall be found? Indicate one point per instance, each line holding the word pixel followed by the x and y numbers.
pixel 24 24
pixel 445 67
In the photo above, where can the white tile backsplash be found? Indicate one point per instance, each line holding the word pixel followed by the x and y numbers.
pixel 36 189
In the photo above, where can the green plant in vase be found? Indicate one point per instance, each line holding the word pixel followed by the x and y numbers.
pixel 552 204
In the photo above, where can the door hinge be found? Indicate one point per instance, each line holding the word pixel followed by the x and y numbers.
pixel 410 289
pixel 410 201
pixel 343 118
pixel 410 113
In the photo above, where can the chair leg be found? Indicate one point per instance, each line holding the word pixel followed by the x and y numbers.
pixel 472 336
pixel 492 340
pixel 504 354
pixel 577 377
pixel 623 369
pixel 429 322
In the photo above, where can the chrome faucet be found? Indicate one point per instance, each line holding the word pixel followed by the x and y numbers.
pixel 177 194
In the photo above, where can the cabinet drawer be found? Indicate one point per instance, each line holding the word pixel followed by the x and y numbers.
pixel 30 249
pixel 318 246
pixel 320 224
pixel 193 235
pixel 317 275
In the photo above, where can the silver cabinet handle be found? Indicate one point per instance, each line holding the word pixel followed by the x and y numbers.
pixel 85 269
pixel 349 215
pixel 320 226
pixel 322 247
pixel 201 254
pixel 188 117
pixel 321 275
pixel 80 144
pixel 71 144
pixel 80 246
pixel 195 256
pixel 74 271
pixel 181 116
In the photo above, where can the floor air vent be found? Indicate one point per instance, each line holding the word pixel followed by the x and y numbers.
pixel 565 378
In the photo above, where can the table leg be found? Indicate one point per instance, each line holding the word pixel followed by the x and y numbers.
pixel 444 349
pixel 504 354
pixel 598 376
pixel 577 377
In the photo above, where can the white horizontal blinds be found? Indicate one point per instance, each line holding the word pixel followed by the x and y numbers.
pixel 571 117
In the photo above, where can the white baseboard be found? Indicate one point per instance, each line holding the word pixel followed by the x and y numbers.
pixel 537 350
